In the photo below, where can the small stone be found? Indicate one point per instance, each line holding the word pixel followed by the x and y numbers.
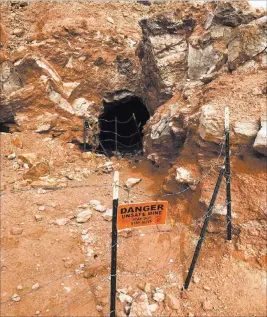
pixel 84 216
pixel 99 308
pixel 132 181
pixel 41 208
pixel 35 286
pixel 19 287
pixel 100 208
pixel 159 296
pixel 110 20
pixel 191 315
pixel 37 312
pixel 207 305
pixel 107 215
pixel 173 302
pixel 11 156
pixel 16 231
pixel 125 298
pixel 62 221
pixel 206 288
pixel 39 217
pixel 196 279
pixel 16 298
pixel 18 32
pixel 147 288
pixel 68 263
pixel 94 203
pixel 153 307
pixel 86 173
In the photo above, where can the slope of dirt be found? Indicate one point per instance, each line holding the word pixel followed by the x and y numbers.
pixel 54 256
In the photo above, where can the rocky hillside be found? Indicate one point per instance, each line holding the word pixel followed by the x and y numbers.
pixel 62 63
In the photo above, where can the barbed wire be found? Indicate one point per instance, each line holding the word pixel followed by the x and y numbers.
pixel 70 274
pixel 126 146
pixel 122 136
pixel 120 122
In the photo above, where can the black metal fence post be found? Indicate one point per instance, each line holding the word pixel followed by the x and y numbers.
pixel 116 136
pixel 85 128
pixel 114 246
pixel 204 228
pixel 228 175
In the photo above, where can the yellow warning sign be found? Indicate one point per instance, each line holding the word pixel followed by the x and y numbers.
pixel 142 214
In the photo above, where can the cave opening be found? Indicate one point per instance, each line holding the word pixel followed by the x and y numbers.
pixel 6 126
pixel 122 123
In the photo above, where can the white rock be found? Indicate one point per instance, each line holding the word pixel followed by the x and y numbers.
pixel 196 279
pixel 106 167
pixel 211 124
pixel 19 287
pixel 43 127
pixel 153 307
pixel 107 215
pixel 100 208
pixel 94 203
pixel 260 144
pixel 140 307
pixel 110 20
pixel 84 216
pixel 11 156
pixel 184 176
pixel 99 308
pixel 82 106
pixel 132 181
pixel 159 296
pixel 16 298
pixel 90 251
pixel 35 286
pixel 125 298
pixel 147 288
pixel 62 221
pixel 41 208
pixel 245 130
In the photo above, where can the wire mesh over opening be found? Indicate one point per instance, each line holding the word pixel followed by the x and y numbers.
pixel 121 125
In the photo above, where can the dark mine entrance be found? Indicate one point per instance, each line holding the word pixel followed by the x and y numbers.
pixel 121 125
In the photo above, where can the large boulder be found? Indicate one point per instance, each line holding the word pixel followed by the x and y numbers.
pixel 260 144
pixel 211 124
pixel 203 61
pixel 165 133
pixel 245 131
pixel 163 52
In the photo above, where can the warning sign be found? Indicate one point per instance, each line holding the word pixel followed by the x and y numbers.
pixel 142 214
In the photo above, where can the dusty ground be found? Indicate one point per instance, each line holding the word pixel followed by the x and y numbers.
pixel 53 256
